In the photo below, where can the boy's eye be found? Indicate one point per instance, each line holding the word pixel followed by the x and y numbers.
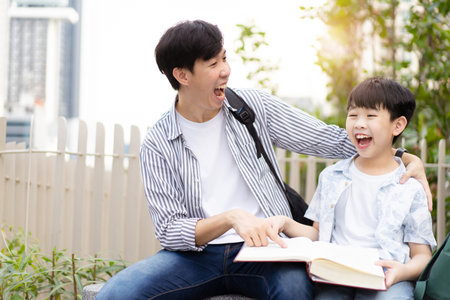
pixel 225 58
pixel 213 64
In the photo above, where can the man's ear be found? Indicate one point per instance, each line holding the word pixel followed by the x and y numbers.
pixel 180 75
pixel 400 125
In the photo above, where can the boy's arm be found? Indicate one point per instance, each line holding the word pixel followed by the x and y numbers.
pixel 292 228
pixel 396 271
pixel 415 168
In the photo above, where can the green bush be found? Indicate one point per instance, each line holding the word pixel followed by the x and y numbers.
pixel 26 273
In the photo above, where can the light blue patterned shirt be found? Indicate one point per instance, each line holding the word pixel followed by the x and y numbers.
pixel 402 210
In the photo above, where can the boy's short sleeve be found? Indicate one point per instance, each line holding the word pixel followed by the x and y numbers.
pixel 313 212
pixel 418 227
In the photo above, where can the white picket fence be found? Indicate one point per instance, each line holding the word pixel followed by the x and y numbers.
pixel 100 207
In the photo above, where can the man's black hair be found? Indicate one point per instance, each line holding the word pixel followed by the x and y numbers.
pixel 181 45
pixel 379 93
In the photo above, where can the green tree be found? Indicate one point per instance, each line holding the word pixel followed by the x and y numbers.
pixel 249 43
pixel 429 31
pixel 340 53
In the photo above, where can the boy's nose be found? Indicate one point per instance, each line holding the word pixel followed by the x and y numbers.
pixel 360 123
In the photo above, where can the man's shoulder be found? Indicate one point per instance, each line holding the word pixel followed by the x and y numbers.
pixel 251 94
pixel 159 130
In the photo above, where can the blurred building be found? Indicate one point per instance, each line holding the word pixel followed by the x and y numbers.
pixel 43 61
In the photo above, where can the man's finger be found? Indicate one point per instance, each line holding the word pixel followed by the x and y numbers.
pixel 427 189
pixel 276 238
pixel 424 182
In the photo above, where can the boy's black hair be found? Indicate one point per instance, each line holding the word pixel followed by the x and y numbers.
pixel 379 93
pixel 181 45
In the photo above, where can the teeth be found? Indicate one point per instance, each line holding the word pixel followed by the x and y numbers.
pixel 362 136
pixel 222 87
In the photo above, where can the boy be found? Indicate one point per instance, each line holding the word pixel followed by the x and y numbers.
pixel 360 202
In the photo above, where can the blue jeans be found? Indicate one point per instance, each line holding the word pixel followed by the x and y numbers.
pixel 198 275
pixel 400 290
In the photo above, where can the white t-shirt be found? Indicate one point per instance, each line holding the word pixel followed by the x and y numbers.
pixel 356 210
pixel 222 186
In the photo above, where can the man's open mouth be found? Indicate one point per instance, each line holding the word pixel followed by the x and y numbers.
pixel 220 91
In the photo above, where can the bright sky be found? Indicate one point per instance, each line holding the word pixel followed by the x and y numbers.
pixel 120 82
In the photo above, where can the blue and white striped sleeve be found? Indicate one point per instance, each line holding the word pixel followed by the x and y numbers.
pixel 173 228
pixel 295 130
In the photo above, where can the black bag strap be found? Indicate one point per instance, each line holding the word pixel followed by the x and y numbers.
pixel 244 114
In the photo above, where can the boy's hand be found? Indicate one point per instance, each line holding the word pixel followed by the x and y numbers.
pixel 394 272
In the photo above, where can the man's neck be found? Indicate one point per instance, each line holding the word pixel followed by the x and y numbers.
pixel 190 110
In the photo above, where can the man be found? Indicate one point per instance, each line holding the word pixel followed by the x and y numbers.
pixel 206 188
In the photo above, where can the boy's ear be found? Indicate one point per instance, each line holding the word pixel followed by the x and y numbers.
pixel 400 125
pixel 180 75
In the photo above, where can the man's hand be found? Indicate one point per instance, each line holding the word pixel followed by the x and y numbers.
pixel 415 168
pixel 253 230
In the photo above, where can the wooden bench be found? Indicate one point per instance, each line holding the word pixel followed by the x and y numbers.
pixel 90 291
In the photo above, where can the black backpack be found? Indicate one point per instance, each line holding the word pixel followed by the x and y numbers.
pixel 434 282
pixel 245 115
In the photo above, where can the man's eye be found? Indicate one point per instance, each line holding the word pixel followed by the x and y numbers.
pixel 225 58
pixel 372 116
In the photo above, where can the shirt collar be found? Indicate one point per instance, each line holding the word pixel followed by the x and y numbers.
pixel 174 127
pixel 344 167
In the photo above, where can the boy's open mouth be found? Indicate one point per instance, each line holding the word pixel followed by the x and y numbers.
pixel 363 140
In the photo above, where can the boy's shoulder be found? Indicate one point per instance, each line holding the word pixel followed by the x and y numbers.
pixel 339 166
pixel 411 185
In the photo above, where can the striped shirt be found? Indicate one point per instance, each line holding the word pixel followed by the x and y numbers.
pixel 171 173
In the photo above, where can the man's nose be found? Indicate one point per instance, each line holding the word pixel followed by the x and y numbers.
pixel 225 72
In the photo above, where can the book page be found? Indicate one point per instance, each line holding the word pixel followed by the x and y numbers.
pixel 298 249
pixel 358 258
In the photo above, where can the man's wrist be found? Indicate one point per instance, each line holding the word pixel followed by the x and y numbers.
pixel 400 151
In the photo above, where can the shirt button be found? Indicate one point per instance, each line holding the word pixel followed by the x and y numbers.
pixel 331 205
pixel 346 183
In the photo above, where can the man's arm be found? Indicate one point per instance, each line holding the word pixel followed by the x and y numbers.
pixel 293 129
pixel 415 168
pixel 253 230
pixel 174 227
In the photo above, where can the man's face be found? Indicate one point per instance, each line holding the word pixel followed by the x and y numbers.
pixel 208 80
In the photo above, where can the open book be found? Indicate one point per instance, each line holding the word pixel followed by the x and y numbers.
pixel 326 262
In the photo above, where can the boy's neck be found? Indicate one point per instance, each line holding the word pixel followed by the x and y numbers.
pixel 378 165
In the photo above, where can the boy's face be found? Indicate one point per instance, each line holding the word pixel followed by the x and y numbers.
pixel 371 130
